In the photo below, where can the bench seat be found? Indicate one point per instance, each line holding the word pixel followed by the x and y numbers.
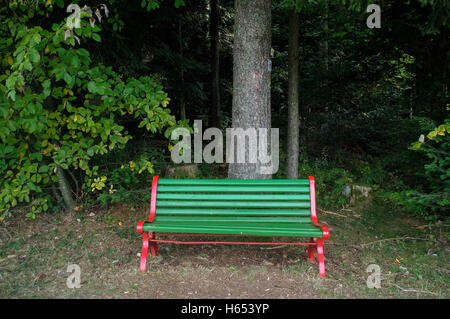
pixel 225 207
pixel 235 227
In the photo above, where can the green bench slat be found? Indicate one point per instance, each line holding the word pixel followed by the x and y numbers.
pixel 233 219
pixel 236 182
pixel 262 229
pixel 239 197
pixel 232 189
pixel 232 212
pixel 231 204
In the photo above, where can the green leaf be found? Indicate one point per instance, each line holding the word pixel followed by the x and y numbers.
pixel 92 87
pixel 46 86
pixel 179 3
pixel 96 37
pixel 34 55
pixel 10 82
pixel 12 95
pixel 68 78
pixel 43 169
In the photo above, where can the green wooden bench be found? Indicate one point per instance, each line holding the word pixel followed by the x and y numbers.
pixel 225 207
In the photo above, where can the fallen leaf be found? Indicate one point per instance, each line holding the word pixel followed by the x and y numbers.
pixel 40 276
pixel 397 261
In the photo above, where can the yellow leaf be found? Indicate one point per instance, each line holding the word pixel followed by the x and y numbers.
pixel 431 135
pixel 10 60
pixel 397 261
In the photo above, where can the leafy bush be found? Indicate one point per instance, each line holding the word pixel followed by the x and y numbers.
pixel 129 177
pixel 330 178
pixel 436 146
pixel 58 110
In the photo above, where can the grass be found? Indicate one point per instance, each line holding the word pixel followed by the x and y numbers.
pixel 413 258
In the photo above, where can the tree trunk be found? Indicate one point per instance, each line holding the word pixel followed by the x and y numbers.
pixel 293 111
pixel 325 40
pixel 251 77
pixel 182 102
pixel 64 188
pixel 215 116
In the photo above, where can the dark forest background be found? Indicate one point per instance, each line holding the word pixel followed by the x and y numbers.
pixel 373 103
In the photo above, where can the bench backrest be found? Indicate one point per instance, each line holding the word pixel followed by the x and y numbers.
pixel 228 200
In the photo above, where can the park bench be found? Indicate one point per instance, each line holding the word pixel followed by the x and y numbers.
pixel 226 207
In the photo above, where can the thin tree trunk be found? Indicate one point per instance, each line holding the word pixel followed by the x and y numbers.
pixel 293 108
pixel 325 40
pixel 251 77
pixel 215 116
pixel 182 101
pixel 64 188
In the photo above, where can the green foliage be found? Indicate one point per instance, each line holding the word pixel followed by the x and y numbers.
pixel 59 108
pixel 436 146
pixel 331 179
pixel 431 199
pixel 129 177
pixel 154 4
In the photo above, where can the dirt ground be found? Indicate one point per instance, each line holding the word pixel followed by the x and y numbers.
pixel 35 254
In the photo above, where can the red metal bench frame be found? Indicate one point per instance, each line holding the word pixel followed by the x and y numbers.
pixel 149 239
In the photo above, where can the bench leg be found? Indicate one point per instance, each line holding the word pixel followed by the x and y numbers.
pixel 144 251
pixel 153 245
pixel 146 243
pixel 311 250
pixel 320 257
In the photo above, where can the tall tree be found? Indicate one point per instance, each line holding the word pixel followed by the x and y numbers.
pixel 251 76
pixel 182 101
pixel 293 107
pixel 325 38
pixel 215 77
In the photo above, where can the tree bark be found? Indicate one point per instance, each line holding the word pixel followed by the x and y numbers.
pixel 325 40
pixel 64 188
pixel 215 116
pixel 182 101
pixel 251 77
pixel 293 101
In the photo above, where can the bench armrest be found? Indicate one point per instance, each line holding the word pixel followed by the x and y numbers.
pixel 312 195
pixel 140 227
